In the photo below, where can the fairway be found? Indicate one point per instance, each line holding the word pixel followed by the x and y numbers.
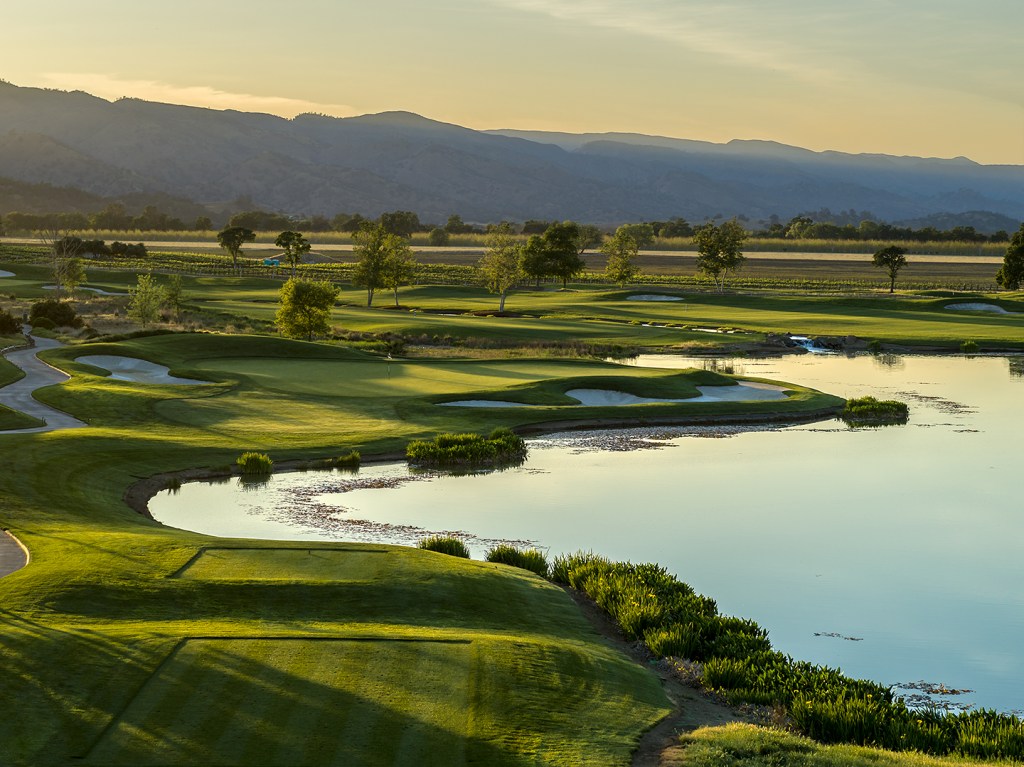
pixel 216 564
pixel 289 702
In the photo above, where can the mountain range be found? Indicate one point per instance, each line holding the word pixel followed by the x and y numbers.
pixel 401 161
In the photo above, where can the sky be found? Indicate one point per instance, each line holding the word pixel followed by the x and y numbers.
pixel 933 78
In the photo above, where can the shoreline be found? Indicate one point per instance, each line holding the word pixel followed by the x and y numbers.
pixel 138 494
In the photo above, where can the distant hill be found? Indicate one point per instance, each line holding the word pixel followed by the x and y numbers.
pixel 397 160
pixel 25 197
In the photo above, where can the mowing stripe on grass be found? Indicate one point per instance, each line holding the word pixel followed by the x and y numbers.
pixel 294 700
pixel 313 564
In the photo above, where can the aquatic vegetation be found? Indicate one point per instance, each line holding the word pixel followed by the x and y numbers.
pixel 444 544
pixel 502 447
pixel 650 604
pixel 255 464
pixel 528 559
pixel 868 411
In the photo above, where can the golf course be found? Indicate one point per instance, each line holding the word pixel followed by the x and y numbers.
pixel 126 642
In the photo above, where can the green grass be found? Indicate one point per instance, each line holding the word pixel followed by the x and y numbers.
pixel 744 745
pixel 120 594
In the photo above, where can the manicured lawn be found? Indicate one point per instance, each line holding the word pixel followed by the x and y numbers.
pixel 130 643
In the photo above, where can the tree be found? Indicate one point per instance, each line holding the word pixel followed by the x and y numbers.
pixel 562 251
pixel 676 227
pixel 501 267
pixel 65 264
pixel 294 246
pixel 203 224
pixel 174 295
pixel 232 239
pixel 621 249
pixel 719 249
pixel 145 300
pixel 1011 274
pixel 438 237
pixel 891 259
pixel 305 308
pixel 400 222
pixel 589 237
pixel 373 246
pixel 399 267
pixel 534 259
pixel 642 233
pixel 456 225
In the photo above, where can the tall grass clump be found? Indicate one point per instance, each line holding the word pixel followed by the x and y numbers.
pixel 868 411
pixel 528 559
pixel 969 347
pixel 350 460
pixel 739 664
pixel 255 464
pixel 501 448
pixel 444 544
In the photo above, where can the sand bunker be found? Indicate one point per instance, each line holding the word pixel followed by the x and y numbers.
pixel 135 370
pixel 97 291
pixel 738 393
pixel 745 392
pixel 484 403
pixel 978 308
pixel 6 274
pixel 653 297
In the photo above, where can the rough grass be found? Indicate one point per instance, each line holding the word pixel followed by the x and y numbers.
pixel 445 544
pixel 744 745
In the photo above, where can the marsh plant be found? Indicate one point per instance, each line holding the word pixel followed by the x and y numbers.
pixel 739 664
pixel 255 464
pixel 868 411
pixel 501 448
pixel 528 559
pixel 444 544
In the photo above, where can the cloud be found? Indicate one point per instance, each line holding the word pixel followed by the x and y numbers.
pixel 716 30
pixel 112 87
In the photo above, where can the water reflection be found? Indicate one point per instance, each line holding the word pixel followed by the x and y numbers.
pixel 907 538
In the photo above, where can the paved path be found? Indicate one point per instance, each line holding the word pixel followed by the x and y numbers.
pixel 13 556
pixel 18 395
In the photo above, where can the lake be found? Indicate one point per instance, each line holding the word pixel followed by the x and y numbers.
pixel 893 553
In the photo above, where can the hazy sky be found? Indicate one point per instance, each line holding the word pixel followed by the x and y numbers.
pixel 923 77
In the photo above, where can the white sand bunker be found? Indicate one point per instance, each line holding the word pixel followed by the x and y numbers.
pixel 6 274
pixel 97 291
pixel 978 308
pixel 653 297
pixel 744 392
pixel 135 370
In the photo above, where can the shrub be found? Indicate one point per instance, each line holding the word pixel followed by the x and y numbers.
pixel 9 324
pixel 43 323
pixel 501 448
pixel 349 460
pixel 444 544
pixel 61 314
pixel 968 347
pixel 255 464
pixel 528 559
pixel 873 412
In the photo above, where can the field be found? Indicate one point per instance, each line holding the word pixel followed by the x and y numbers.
pixel 128 643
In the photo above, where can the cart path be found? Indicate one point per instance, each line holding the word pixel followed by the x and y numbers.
pixel 18 395
pixel 13 555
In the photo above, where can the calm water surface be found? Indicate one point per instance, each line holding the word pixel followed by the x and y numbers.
pixel 906 538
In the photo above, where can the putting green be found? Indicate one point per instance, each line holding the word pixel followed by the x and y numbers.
pixel 312 564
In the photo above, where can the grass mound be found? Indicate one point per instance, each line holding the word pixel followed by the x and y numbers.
pixel 501 448
pixel 868 411
pixel 527 559
pixel 444 544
